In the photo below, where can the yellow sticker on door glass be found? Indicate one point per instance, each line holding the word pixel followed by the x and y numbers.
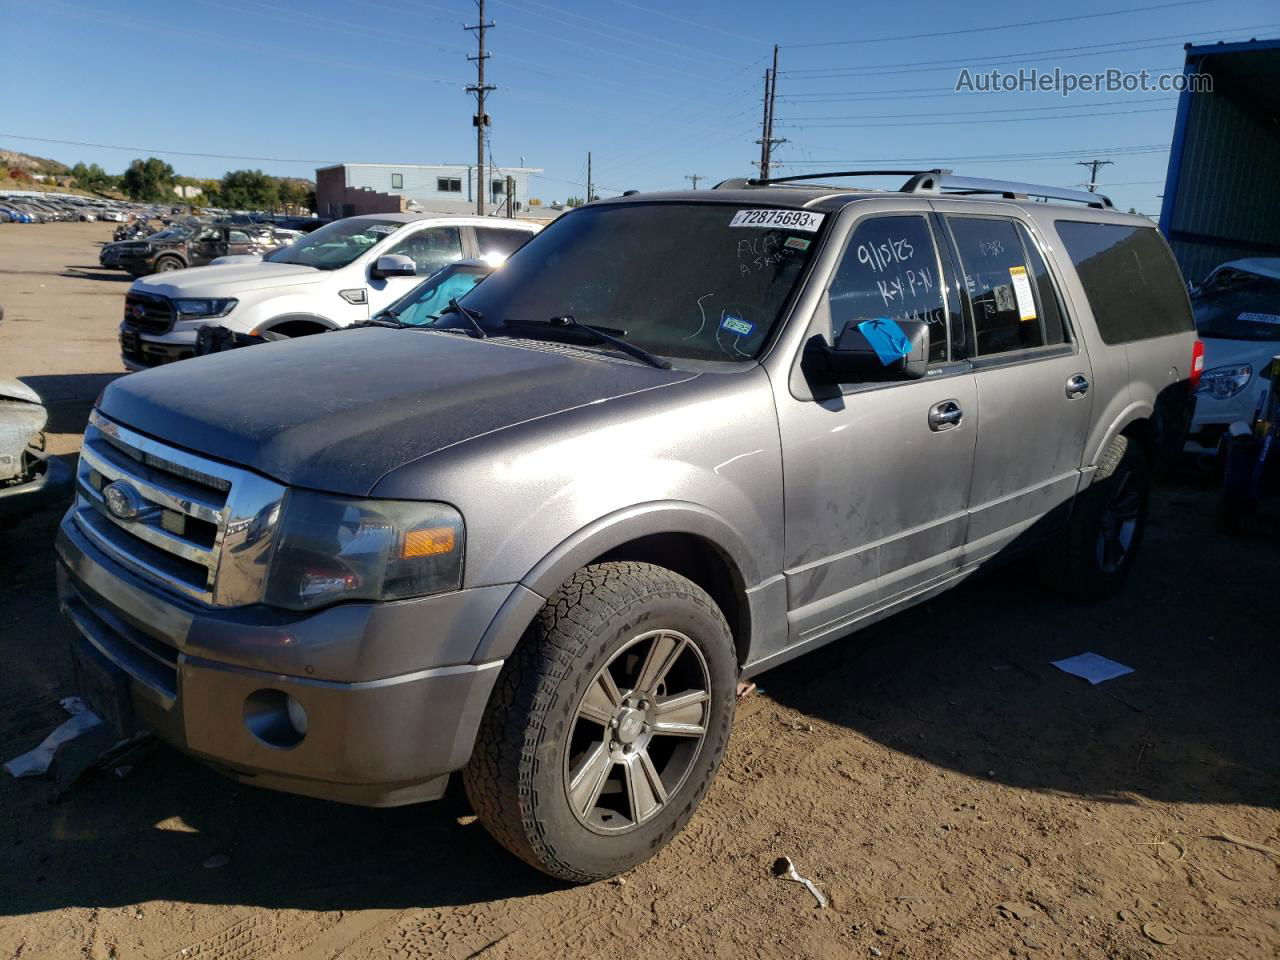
pixel 1022 290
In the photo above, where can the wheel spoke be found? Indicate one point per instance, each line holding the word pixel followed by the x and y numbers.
pixel 683 708
pixel 1126 507
pixel 587 779
pixel 601 700
pixel 663 653
pixel 645 791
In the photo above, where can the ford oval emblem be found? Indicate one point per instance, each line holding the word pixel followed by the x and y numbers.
pixel 137 311
pixel 123 502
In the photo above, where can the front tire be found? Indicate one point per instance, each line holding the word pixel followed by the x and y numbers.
pixel 167 264
pixel 607 724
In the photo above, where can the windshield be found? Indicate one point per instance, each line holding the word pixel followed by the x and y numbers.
pixel 336 244
pixel 677 279
pixel 423 304
pixel 1238 306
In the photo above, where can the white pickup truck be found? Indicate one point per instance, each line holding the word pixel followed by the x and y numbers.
pixel 341 274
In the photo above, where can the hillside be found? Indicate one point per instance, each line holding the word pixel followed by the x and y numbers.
pixel 25 161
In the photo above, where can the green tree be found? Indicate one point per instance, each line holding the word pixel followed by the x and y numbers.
pixel 292 195
pixel 92 177
pixel 249 190
pixel 148 180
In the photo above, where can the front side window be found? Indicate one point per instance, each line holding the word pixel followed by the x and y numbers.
pixel 431 249
pixel 681 279
pixel 397 181
pixel 1002 286
pixel 336 244
pixel 890 271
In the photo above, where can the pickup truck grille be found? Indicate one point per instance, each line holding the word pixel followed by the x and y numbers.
pixel 197 527
pixel 147 312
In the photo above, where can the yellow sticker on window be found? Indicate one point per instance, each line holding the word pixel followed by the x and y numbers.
pixel 1022 290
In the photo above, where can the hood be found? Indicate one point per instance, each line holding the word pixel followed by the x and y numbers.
pixel 221 280
pixel 338 411
pixel 1221 352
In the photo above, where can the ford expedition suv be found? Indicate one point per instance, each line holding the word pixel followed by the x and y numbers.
pixel 336 276
pixel 676 440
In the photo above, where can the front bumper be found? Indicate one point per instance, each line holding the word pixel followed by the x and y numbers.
pixel 52 482
pixel 1214 416
pixel 391 701
pixel 141 351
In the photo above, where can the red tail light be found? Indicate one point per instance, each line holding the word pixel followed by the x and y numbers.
pixel 1197 364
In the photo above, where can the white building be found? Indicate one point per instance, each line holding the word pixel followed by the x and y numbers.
pixel 351 189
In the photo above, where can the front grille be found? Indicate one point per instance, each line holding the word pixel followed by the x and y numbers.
pixel 147 312
pixel 200 528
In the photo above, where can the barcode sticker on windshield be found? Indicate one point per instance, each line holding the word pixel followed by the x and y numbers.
pixel 1260 318
pixel 773 219
pixel 384 228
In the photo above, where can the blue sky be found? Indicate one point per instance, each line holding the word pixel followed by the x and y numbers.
pixel 656 90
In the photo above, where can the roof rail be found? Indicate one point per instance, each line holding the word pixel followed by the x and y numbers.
pixel 941 182
pixel 1011 190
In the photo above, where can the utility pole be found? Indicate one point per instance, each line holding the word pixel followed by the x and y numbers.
pixel 588 176
pixel 695 177
pixel 767 140
pixel 511 196
pixel 481 119
pixel 1093 166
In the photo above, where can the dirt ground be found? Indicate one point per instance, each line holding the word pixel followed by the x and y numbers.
pixel 951 792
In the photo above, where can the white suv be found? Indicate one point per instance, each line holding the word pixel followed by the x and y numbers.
pixel 342 273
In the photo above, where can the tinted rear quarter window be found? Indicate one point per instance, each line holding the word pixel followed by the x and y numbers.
pixel 1133 285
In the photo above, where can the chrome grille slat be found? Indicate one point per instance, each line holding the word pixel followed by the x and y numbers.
pixel 142 479
pixel 217 554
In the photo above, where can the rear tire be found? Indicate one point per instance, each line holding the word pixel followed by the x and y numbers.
pixel 1096 553
pixel 587 763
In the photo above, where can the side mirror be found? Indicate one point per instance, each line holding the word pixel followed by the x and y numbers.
pixel 394 265
pixel 877 350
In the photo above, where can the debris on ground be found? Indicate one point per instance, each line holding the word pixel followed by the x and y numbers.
pixel 36 762
pixel 784 869
pixel 1091 667
pixel 745 690
pixel 1247 844
pixel 1159 933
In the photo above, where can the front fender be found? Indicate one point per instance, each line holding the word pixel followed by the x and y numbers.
pixel 597 538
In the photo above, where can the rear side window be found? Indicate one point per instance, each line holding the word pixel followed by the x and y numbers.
pixel 1007 283
pixel 500 242
pixel 890 269
pixel 1133 285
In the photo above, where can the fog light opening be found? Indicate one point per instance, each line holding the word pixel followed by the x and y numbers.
pixel 275 718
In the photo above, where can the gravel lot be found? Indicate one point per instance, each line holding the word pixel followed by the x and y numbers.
pixel 952 793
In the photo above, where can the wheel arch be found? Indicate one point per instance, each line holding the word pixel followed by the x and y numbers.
pixel 296 324
pixel 1135 421
pixel 683 537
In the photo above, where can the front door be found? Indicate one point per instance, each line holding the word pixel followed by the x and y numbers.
pixel 877 475
pixel 429 249
pixel 1033 382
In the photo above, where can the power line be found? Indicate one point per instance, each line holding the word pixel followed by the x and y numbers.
pixel 958 123
pixel 1094 166
pixel 614 28
pixel 158 151
pixel 1047 155
pixel 965 113
pixel 700 26
pixel 1000 26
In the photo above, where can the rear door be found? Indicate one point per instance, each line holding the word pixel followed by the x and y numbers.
pixel 1032 375
pixel 499 242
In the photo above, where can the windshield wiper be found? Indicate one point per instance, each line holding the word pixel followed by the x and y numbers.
pixel 602 334
pixel 377 321
pixel 470 316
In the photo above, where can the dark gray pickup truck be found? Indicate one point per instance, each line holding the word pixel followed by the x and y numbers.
pixel 675 440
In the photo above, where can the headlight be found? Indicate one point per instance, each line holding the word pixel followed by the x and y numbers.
pixel 331 549
pixel 1223 383
pixel 191 309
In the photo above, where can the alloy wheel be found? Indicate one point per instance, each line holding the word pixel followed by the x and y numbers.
pixel 637 732
pixel 1119 523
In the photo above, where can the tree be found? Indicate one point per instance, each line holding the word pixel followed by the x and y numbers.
pixel 249 190
pixel 148 180
pixel 573 202
pixel 292 195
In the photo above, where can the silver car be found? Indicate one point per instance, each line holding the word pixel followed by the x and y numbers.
pixel 675 440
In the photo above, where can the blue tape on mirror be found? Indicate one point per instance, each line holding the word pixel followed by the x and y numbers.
pixel 886 339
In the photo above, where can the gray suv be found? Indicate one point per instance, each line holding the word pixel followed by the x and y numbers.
pixel 676 440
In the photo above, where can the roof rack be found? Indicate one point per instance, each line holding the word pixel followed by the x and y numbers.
pixel 941 182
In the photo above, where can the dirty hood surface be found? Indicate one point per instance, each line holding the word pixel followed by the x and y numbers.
pixel 338 411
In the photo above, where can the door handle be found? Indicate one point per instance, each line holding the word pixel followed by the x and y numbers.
pixel 1077 386
pixel 945 415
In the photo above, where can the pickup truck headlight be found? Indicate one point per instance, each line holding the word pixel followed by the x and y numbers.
pixel 1223 383
pixel 331 549
pixel 196 309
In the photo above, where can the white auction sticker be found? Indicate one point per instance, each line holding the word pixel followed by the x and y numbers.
pixel 1260 318
pixel 784 219
pixel 1022 290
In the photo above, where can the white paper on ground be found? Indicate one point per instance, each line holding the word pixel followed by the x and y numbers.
pixel 35 762
pixel 1092 667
